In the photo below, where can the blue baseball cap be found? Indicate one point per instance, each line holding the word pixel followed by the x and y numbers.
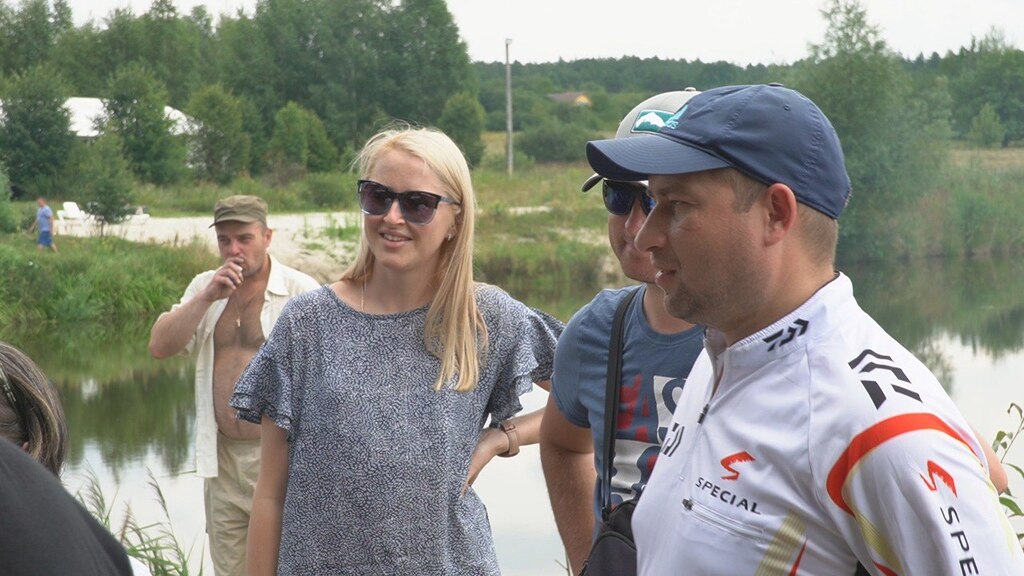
pixel 768 132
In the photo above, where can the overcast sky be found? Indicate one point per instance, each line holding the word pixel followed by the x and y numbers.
pixel 737 31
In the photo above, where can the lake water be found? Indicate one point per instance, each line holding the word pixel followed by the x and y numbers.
pixel 131 417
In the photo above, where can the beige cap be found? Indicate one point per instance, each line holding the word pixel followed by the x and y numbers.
pixel 240 208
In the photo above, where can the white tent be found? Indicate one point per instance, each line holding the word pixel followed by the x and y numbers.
pixel 85 111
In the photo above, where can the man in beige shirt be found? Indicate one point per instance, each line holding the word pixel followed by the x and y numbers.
pixel 225 315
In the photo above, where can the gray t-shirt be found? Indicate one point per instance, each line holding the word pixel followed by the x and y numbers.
pixel 654 370
pixel 377 457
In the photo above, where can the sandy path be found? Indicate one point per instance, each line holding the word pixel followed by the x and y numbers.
pixel 299 239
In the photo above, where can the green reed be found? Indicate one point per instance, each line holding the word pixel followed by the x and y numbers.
pixel 1002 443
pixel 154 544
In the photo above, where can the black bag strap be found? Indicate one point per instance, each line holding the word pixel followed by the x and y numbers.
pixel 611 400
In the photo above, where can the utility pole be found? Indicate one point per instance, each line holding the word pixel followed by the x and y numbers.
pixel 508 106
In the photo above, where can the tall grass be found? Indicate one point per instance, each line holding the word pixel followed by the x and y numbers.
pixel 92 279
pixel 155 544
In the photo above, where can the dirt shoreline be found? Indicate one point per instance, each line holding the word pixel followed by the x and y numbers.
pixel 299 239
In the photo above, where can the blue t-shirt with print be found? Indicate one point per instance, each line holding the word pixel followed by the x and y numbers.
pixel 654 369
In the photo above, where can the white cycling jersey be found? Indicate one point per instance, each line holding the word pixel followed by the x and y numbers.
pixel 827 449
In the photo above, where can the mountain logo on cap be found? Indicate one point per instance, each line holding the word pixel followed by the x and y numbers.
pixel 650 121
pixel 673 121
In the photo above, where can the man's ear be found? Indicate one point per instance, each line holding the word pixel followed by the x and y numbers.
pixel 781 205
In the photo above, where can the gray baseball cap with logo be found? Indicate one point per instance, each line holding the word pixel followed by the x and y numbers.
pixel 647 118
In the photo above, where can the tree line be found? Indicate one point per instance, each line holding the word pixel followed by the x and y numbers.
pixel 297 85
pixel 290 87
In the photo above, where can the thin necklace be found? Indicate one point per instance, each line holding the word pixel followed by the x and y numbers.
pixel 362 296
pixel 239 308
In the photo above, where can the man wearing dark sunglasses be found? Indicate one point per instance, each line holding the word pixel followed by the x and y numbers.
pixel 658 352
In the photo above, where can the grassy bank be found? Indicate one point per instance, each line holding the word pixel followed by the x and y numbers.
pixel 92 279
pixel 538 236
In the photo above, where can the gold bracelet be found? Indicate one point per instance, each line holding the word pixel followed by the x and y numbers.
pixel 513 438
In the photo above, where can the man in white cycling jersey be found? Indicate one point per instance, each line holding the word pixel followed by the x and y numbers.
pixel 811 442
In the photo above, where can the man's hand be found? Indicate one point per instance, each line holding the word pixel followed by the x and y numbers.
pixel 225 280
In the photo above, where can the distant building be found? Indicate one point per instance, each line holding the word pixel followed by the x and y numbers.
pixel 572 98
pixel 85 111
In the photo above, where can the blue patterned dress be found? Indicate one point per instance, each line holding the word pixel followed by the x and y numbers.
pixel 377 457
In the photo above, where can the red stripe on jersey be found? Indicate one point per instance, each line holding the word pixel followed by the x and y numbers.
pixel 886 571
pixel 799 557
pixel 874 437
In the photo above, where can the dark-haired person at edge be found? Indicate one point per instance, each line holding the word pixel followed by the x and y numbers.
pixel 43 529
pixel 224 317
pixel 808 441
pixel 375 392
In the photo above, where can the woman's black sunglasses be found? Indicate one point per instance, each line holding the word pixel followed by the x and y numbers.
pixel 618 196
pixel 417 207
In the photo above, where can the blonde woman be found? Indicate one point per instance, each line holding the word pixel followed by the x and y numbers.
pixel 375 392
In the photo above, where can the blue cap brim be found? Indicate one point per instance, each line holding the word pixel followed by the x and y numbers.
pixel 637 158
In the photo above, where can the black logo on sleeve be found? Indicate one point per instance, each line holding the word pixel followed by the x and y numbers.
pixel 783 337
pixel 674 438
pixel 869 362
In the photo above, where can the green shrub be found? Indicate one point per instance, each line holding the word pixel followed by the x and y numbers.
pixel 986 129
pixel 463 121
pixel 8 213
pixel 330 190
pixel 555 141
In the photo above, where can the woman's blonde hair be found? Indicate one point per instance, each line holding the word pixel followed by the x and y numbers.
pixel 455 331
pixel 30 410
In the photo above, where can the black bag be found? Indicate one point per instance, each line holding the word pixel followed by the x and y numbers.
pixel 613 553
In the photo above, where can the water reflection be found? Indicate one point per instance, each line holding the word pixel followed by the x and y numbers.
pixel 117 399
pixel 127 412
pixel 978 302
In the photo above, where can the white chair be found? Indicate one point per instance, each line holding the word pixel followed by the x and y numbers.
pixel 72 216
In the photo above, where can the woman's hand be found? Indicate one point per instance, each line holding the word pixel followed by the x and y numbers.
pixel 492 442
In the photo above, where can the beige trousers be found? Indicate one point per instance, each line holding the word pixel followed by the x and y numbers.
pixel 228 499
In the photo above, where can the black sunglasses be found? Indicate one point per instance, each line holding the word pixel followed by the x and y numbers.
pixel 618 196
pixel 417 207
